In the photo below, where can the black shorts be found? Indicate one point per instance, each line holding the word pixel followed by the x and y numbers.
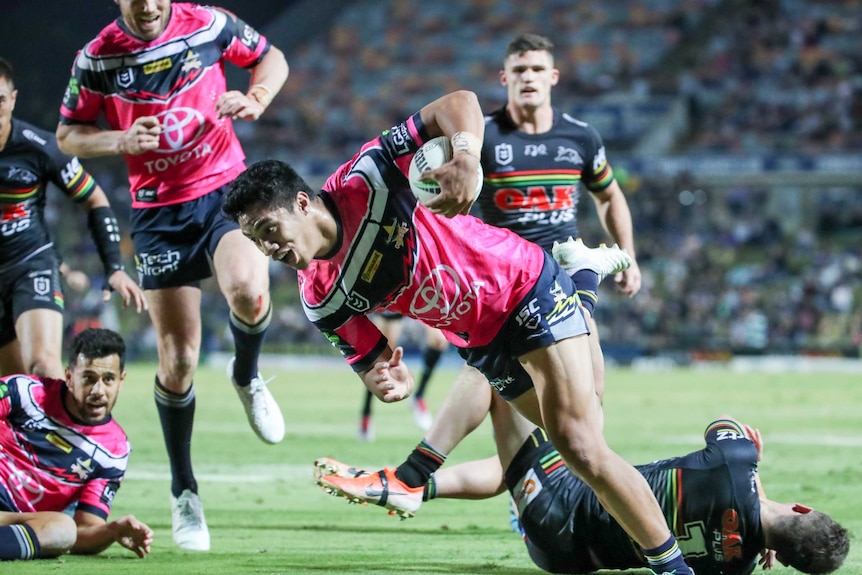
pixel 547 496
pixel 550 312
pixel 174 244
pixel 7 503
pixel 34 284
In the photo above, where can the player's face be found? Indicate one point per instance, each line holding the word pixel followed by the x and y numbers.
pixel 7 104
pixel 288 237
pixel 93 386
pixel 528 78
pixel 146 19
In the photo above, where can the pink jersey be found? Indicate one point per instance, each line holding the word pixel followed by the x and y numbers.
pixel 47 460
pixel 177 77
pixel 460 274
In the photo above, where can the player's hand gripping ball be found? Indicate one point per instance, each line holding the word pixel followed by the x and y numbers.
pixel 433 154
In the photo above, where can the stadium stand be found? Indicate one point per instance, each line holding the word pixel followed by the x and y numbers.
pixel 733 127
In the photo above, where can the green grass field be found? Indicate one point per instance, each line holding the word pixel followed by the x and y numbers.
pixel 266 516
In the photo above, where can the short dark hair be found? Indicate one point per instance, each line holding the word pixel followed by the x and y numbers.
pixel 812 542
pixel 266 184
pixel 528 43
pixel 96 342
pixel 6 71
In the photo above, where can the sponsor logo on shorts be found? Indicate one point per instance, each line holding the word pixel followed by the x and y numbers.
pixel 157 264
pixel 527 489
pixel 501 383
pixel 566 305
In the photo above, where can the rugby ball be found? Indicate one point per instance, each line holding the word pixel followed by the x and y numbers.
pixel 433 154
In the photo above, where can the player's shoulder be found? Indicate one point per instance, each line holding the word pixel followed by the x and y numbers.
pixel 730 437
pixel 568 121
pixel 20 385
pixel 28 135
pixel 186 12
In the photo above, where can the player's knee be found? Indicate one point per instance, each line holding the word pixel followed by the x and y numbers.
pixel 179 364
pixel 248 301
pixel 582 452
pixel 56 532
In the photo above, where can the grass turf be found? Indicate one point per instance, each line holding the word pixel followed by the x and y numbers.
pixel 267 517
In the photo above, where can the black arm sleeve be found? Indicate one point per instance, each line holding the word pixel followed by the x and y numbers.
pixel 106 234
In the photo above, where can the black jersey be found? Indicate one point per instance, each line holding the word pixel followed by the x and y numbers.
pixel 531 180
pixel 29 161
pixel 709 499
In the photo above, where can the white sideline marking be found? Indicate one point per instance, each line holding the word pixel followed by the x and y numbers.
pixel 276 473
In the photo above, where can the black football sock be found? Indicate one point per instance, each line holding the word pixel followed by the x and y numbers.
pixel 248 341
pixel 177 416
pixel 419 466
pixel 587 284
pixel 18 542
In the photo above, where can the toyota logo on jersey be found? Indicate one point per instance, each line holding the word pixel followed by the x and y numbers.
pixel 181 129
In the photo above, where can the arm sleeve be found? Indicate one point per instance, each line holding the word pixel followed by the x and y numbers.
pixel 243 45
pixel 83 99
pixel 598 174
pixel 106 235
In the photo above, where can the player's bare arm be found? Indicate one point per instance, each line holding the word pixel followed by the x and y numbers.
pixel 616 218
pixel 459 117
pixel 90 140
pixel 267 78
pixel 95 534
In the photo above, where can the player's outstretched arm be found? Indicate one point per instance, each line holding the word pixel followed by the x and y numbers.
pixel 389 379
pixel 95 534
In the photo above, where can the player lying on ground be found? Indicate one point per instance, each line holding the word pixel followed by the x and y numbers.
pixel 60 447
pixel 712 498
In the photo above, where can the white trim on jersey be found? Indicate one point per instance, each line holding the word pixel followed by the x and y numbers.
pixel 367 169
pixel 177 45
pixel 38 418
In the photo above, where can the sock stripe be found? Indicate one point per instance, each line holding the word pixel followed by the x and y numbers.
pixel 431 453
pixel 256 328
pixel 28 545
pixel 585 293
pixel 169 399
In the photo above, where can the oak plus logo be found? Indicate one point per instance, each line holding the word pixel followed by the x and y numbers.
pixel 181 129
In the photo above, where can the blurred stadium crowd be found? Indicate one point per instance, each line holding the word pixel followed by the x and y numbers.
pixel 757 260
